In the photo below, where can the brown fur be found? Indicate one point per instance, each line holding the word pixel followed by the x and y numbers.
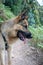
pixel 10 28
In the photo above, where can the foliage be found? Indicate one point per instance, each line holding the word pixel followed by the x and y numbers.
pixel 6 12
pixel 19 5
pixel 36 12
pixel 15 5
pixel 41 14
pixel 31 19
pixel 37 34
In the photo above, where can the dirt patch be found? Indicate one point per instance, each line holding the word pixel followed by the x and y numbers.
pixel 24 54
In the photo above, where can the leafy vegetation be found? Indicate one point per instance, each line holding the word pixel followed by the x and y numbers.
pixel 5 13
pixel 37 34
pixel 41 14
pixel 15 5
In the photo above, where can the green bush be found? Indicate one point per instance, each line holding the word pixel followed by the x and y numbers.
pixel 15 5
pixel 7 12
pixel 37 34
